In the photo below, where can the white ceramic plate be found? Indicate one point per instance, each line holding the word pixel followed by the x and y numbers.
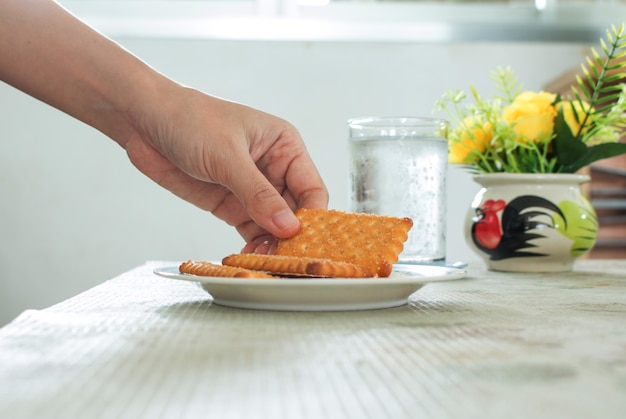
pixel 315 294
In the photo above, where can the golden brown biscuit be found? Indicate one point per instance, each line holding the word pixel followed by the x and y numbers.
pixel 297 266
pixel 213 269
pixel 373 241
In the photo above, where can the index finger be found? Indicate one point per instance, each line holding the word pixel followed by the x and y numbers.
pixel 305 184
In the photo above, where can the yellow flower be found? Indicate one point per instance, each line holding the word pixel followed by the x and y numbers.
pixel 531 116
pixel 568 108
pixel 471 137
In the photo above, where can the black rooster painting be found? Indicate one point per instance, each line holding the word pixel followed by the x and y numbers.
pixel 525 218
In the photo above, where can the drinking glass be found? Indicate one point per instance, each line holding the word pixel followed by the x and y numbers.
pixel 398 168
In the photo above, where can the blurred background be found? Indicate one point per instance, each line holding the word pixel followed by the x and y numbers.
pixel 74 212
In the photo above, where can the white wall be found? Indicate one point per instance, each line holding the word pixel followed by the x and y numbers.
pixel 74 212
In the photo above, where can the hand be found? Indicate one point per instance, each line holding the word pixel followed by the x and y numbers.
pixel 247 167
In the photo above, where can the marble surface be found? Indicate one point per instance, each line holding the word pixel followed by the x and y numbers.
pixel 490 345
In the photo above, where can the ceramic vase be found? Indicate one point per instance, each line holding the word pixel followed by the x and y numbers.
pixel 531 222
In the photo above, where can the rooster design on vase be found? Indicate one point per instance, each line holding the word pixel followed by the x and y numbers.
pixel 531 223
pixel 527 149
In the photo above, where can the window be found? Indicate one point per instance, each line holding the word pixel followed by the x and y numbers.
pixel 378 20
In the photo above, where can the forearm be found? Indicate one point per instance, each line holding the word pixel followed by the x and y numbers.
pixel 49 54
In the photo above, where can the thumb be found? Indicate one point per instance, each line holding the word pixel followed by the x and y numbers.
pixel 263 202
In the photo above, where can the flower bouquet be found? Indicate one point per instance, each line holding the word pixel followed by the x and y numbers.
pixel 519 131
pixel 524 148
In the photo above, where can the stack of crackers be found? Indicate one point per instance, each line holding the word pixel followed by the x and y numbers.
pixel 330 244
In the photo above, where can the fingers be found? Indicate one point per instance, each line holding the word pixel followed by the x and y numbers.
pixel 305 184
pixel 208 196
pixel 283 179
pixel 263 202
pixel 221 201
pixel 251 170
pixel 264 245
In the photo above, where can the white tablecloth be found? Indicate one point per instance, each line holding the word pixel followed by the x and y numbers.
pixel 493 345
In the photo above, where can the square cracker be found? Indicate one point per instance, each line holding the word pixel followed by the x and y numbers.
pixel 283 265
pixel 372 241
pixel 203 268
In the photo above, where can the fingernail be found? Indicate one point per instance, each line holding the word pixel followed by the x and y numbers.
pixel 265 248
pixel 285 219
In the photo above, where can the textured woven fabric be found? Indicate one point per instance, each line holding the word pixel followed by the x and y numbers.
pixel 492 345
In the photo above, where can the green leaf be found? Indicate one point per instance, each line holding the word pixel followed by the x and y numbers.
pixel 567 148
pixel 573 154
pixel 595 153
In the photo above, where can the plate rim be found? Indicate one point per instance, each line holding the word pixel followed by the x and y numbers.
pixel 447 274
